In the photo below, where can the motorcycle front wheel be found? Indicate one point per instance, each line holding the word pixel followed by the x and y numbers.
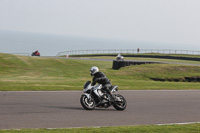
pixel 120 103
pixel 86 103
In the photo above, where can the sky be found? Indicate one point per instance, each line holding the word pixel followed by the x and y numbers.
pixel 165 21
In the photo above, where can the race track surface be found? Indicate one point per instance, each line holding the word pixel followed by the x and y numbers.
pixel 62 109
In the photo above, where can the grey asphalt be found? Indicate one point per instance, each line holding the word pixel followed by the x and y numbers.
pixel 62 109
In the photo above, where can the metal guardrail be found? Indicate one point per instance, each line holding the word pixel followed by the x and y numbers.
pixel 127 51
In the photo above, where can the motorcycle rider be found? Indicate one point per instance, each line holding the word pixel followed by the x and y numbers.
pixel 36 53
pixel 100 77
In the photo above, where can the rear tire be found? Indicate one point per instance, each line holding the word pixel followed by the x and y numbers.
pixel 120 105
pixel 86 103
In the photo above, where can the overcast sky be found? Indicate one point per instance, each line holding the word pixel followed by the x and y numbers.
pixel 167 21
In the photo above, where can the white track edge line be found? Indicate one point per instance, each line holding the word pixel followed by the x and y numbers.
pixel 184 123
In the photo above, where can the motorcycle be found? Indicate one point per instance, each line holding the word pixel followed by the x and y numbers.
pixel 119 57
pixel 94 96
pixel 35 54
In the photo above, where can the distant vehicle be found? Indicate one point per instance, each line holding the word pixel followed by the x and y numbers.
pixel 36 53
pixel 119 57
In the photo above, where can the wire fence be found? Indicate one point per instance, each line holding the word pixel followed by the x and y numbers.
pixel 128 51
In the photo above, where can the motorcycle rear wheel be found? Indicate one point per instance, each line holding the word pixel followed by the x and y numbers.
pixel 120 105
pixel 86 103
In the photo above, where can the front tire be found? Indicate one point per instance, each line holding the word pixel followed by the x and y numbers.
pixel 120 104
pixel 86 103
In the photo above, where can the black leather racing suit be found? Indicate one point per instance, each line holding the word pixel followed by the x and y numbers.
pixel 101 78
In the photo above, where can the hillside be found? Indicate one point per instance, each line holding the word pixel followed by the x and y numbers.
pixel 37 73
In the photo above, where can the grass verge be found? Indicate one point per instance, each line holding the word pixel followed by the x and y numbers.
pixel 188 128
pixel 21 73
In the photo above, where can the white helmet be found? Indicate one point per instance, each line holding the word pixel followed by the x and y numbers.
pixel 93 70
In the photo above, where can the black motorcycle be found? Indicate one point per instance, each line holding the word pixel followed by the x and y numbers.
pixel 94 96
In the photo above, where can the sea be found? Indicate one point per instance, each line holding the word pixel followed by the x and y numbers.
pixel 50 45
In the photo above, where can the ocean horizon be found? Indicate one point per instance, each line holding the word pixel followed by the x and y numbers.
pixel 51 45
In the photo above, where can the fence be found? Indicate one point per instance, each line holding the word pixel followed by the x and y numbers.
pixel 128 51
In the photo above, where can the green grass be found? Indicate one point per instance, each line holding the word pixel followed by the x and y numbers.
pixel 33 73
pixel 189 128
pixel 22 73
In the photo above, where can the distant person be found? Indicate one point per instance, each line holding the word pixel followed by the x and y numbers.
pixel 138 50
